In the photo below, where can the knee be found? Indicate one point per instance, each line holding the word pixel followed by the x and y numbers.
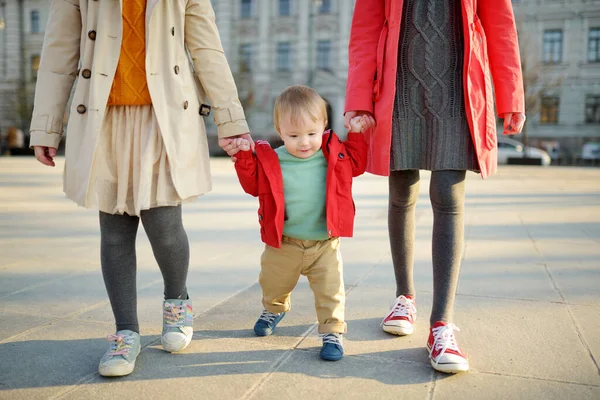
pixel 404 189
pixel 118 238
pixel 445 199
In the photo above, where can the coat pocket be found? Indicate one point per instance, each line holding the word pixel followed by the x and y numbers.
pixel 380 61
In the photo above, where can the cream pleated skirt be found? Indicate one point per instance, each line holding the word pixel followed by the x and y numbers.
pixel 131 170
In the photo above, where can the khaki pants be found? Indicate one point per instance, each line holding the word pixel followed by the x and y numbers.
pixel 321 262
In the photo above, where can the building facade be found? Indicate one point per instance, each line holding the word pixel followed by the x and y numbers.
pixel 271 44
pixel 22 25
pixel 560 46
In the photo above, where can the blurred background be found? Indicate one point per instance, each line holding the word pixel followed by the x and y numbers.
pixel 271 44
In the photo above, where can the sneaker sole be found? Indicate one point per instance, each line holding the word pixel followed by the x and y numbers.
pixel 398 330
pixel 450 368
pixel 176 347
pixel 121 370
pixel 338 358
pixel 263 334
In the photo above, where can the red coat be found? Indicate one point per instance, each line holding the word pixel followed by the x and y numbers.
pixel 490 39
pixel 260 175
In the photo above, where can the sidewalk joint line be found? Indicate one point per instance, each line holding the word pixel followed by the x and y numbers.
pixel 573 320
pixel 535 378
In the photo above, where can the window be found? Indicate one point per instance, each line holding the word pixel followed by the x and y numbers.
pixel 325 7
pixel 284 56
pixel 549 113
pixel 285 8
pixel 594 45
pixel 35 66
pixel 553 46
pixel 246 10
pixel 246 57
pixel 35 21
pixel 592 109
pixel 324 55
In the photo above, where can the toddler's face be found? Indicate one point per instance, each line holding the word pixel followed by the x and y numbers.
pixel 302 138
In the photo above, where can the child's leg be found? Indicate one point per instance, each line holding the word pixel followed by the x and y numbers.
pixel 280 270
pixel 117 256
pixel 170 246
pixel 325 275
pixel 404 191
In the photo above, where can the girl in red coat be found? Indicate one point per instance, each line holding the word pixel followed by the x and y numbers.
pixel 305 194
pixel 423 70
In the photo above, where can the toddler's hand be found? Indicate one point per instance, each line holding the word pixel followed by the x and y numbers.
pixel 358 124
pixel 236 145
pixel 241 144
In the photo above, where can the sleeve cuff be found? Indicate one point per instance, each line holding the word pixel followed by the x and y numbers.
pixel 233 128
pixel 355 136
pixel 41 138
pixel 243 155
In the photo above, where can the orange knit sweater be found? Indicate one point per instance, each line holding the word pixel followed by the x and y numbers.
pixel 130 86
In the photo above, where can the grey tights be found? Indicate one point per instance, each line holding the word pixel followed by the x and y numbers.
pixel 170 246
pixel 447 194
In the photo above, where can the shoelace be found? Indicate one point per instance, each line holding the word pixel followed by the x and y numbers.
pixel 268 317
pixel 404 307
pixel 120 345
pixel 444 339
pixel 332 338
pixel 174 315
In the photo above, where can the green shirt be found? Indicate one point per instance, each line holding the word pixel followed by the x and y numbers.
pixel 304 189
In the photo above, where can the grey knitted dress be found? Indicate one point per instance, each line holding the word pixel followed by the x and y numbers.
pixel 429 124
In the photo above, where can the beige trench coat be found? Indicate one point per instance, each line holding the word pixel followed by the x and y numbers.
pixel 85 35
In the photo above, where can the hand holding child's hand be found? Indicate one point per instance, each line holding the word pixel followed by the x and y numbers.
pixel 241 144
pixel 358 124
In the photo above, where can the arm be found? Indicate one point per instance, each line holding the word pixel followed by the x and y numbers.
pixel 367 24
pixel 356 147
pixel 57 73
pixel 204 44
pixel 246 167
pixel 498 23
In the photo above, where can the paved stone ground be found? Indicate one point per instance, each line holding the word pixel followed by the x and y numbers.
pixel 528 301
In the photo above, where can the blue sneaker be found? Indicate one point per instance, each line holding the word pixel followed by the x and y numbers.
pixel 267 322
pixel 119 359
pixel 333 348
pixel 178 318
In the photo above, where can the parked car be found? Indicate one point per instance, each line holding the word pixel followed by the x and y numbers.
pixel 590 151
pixel 510 148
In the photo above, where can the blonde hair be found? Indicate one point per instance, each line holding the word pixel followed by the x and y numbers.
pixel 299 101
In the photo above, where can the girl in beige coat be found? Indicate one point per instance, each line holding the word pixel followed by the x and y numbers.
pixel 136 142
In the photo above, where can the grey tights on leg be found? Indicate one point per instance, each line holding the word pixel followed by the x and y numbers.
pixel 447 193
pixel 170 246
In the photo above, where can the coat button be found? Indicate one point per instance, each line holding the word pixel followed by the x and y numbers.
pixel 86 73
pixel 173 31
pixel 92 35
pixel 260 217
pixel 81 109
pixel 185 105
pixel 341 156
pixel 176 69
pixel 330 232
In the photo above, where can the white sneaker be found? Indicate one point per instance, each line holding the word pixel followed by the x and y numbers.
pixel 401 318
pixel 177 325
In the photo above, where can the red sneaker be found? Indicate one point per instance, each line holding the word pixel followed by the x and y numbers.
pixel 401 318
pixel 444 353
